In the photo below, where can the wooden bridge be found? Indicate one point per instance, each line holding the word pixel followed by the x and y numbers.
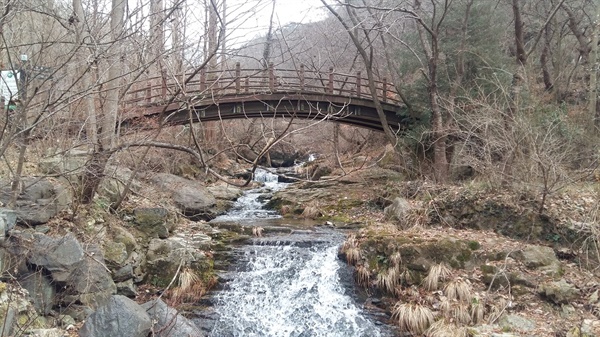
pixel 257 93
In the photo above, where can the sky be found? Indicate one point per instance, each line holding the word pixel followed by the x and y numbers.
pixel 286 11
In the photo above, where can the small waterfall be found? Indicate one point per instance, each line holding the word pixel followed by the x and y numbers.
pixel 290 291
pixel 264 176
pixel 287 285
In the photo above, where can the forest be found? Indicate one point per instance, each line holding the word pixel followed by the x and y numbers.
pixel 497 95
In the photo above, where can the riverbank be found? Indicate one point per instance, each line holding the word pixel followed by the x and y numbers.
pixel 517 269
pixel 464 259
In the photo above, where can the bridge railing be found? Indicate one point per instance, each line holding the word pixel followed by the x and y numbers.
pixel 214 85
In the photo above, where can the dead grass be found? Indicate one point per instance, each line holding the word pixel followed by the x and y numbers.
pixel 458 289
pixel 388 280
pixel 363 275
pixel 437 273
pixel 412 317
pixel 443 328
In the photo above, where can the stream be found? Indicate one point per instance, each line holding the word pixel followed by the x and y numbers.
pixel 286 285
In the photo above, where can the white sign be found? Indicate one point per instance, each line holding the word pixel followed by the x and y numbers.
pixel 8 85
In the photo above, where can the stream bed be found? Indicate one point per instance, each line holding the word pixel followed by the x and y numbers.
pixel 285 285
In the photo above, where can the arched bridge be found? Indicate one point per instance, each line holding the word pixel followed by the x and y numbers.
pixel 254 93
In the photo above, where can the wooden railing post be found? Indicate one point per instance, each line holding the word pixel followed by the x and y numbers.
pixel 271 77
pixel 238 73
pixel 385 89
pixel 301 74
pixel 330 84
pixel 247 84
pixel 358 89
pixel 149 93
pixel 202 79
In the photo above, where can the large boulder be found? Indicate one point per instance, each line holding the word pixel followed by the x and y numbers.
pixel 41 290
pixel 398 209
pixel 168 322
pixel 69 163
pixel 225 192
pixel 59 256
pixel 114 182
pixel 119 317
pixel 39 200
pixel 191 197
pixel 80 270
pixel 537 256
pixel 153 222
pixel 17 314
pixel 164 257
pixel 559 292
pixel 90 282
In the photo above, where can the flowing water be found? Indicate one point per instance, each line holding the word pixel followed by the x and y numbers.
pixel 287 285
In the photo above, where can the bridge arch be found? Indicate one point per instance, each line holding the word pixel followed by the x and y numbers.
pixel 257 93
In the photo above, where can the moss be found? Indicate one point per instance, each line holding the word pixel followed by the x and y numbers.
pixel 488 269
pixel 473 245
pixel 2 287
pixel 31 321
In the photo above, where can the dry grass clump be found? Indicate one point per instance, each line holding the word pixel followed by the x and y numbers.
pixel 311 212
pixel 285 209
pixel 388 280
pixel 497 309
pixel 412 317
pixel 396 259
pixel 416 217
pixel 363 275
pixel 477 310
pixel 190 287
pixel 458 289
pixel 257 231
pixel 351 249
pixel 442 328
pixel 437 273
pixel 353 255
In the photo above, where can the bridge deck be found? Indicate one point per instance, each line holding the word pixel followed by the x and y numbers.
pixel 253 93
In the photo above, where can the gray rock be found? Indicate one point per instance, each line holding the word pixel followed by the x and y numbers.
pixel 114 182
pixel 191 197
pixel 124 273
pixel 559 292
pixel 590 327
pixel 154 222
pixel 90 281
pixel 127 288
pixel 537 256
pixel 164 256
pixel 66 320
pixel 38 201
pixel 169 323
pixel 119 317
pixel 41 290
pixel 516 322
pixel 225 192
pixel 398 209
pixel 115 253
pixel 59 256
pixel 10 218
pixel 68 164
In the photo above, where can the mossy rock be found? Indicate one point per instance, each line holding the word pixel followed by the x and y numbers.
pixel 418 254
pixel 154 222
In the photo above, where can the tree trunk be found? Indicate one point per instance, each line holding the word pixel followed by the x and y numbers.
pixel 440 161
pixel 108 137
pixel 594 112
pixel 86 79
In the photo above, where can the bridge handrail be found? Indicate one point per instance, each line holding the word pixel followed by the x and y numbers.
pixel 238 81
